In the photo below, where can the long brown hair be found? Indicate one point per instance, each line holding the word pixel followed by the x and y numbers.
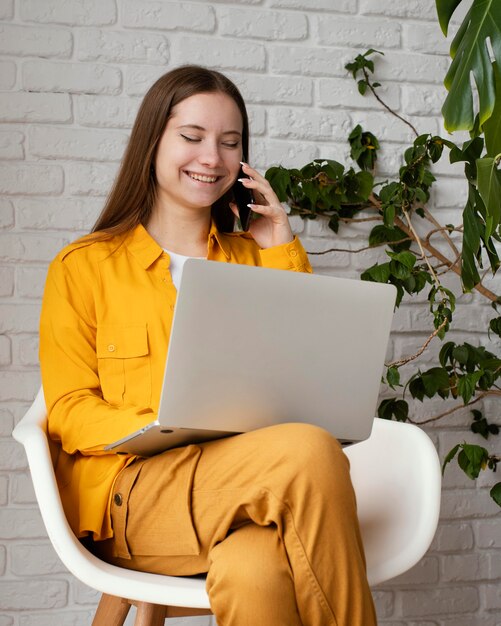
pixel 133 194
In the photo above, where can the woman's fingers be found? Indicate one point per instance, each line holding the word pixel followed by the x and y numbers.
pixel 272 227
pixel 259 184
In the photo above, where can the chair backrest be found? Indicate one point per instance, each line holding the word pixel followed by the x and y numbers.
pixel 395 473
pixel 397 479
pixel 109 579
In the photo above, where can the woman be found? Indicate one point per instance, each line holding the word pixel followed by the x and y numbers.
pixel 270 515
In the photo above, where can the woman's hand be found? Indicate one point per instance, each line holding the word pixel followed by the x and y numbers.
pixel 272 227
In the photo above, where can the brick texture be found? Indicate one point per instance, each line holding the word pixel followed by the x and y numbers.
pixel 72 75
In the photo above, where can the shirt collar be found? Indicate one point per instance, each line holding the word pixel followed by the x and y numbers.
pixel 221 240
pixel 146 250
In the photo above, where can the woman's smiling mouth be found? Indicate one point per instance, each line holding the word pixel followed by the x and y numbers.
pixel 202 178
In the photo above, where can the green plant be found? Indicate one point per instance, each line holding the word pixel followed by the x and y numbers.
pixel 413 263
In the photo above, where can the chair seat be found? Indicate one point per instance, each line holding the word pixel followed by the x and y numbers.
pixel 395 474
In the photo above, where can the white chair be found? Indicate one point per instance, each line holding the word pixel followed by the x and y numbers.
pixel 397 479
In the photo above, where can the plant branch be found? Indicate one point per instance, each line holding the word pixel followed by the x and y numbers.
pixel 355 220
pixel 421 350
pixel 420 245
pixel 444 231
pixel 490 295
pixel 366 75
pixel 450 411
pixel 376 245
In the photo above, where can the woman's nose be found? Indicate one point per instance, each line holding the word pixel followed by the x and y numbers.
pixel 210 155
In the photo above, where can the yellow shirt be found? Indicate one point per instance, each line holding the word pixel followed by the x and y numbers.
pixel 104 330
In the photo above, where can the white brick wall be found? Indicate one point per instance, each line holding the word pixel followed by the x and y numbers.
pixel 72 73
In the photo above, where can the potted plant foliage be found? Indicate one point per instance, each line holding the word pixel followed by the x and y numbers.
pixel 327 189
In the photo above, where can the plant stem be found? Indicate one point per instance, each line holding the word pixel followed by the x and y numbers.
pixel 440 229
pixel 453 265
pixel 453 410
pixel 357 220
pixel 420 351
pixel 490 295
pixel 376 245
pixel 385 105
pixel 420 245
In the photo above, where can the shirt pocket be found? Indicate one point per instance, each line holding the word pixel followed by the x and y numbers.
pixel 124 364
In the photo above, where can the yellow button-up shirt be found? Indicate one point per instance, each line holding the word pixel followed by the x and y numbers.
pixel 104 331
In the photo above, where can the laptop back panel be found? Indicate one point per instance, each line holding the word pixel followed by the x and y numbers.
pixel 251 347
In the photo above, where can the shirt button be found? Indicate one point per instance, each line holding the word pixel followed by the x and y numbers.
pixel 111 347
pixel 293 253
pixel 117 499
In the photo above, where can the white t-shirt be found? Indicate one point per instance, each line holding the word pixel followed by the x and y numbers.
pixel 177 262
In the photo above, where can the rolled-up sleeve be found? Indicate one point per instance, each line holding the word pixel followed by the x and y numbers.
pixel 288 256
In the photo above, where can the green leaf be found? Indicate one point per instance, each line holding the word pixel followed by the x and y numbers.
pixel 446 353
pixel 492 126
pixel 389 215
pixel 472 459
pixel 489 188
pixel 434 380
pixel 364 147
pixel 365 182
pixel 392 407
pixel 445 9
pixel 469 151
pixel 381 234
pixel 399 271
pixel 405 258
pixel 471 244
pixel 373 51
pixel 362 87
pixel 495 326
pixel 393 377
pixel 333 169
pixel 334 223
pixel 471 56
pixel 311 191
pixel 452 453
pixel 279 179
pixel 480 426
pixel 495 493
pixel 378 273
pixel 467 384
pixel 429 383
pixel 460 353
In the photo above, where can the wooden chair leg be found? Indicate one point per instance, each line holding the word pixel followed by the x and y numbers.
pixel 149 614
pixel 111 611
pixel 178 611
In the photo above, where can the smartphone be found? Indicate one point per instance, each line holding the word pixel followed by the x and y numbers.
pixel 242 197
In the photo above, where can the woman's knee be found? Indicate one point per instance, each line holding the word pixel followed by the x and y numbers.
pixel 309 445
pixel 250 563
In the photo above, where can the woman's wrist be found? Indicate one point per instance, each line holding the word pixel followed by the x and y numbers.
pixel 281 238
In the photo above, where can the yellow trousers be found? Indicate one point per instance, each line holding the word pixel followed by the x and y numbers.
pixel 270 515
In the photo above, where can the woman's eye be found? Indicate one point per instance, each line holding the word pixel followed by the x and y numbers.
pixel 191 139
pixel 231 144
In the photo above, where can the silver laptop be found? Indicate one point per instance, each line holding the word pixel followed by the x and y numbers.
pixel 251 347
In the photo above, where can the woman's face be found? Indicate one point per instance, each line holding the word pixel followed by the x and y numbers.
pixel 199 153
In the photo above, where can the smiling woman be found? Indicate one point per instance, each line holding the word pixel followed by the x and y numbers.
pixel 133 195
pixel 269 515
pixel 197 162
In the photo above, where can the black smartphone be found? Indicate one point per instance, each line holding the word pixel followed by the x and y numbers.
pixel 242 197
